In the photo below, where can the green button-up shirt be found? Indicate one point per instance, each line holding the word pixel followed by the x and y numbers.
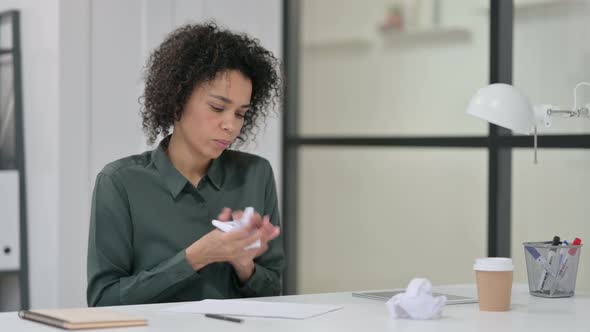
pixel 145 214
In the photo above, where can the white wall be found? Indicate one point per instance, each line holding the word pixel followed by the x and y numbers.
pixel 74 141
pixel 82 62
pixel 40 54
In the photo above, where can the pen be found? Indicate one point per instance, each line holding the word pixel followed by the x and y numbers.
pixel 543 281
pixel 540 259
pixel 571 252
pixel 225 318
pixel 562 252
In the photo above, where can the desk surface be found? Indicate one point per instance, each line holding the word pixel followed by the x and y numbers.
pixel 528 313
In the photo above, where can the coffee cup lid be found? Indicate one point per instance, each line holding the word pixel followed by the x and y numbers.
pixel 493 264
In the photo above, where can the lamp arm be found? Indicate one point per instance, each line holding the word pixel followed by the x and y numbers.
pixel 567 113
pixel 543 114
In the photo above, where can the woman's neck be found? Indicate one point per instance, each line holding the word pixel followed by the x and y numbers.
pixel 188 162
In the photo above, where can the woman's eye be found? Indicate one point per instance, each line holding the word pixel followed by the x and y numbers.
pixel 240 115
pixel 217 109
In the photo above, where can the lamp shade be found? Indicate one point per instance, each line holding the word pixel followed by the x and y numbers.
pixel 503 105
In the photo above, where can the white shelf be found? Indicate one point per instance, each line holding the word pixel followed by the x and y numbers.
pixel 337 43
pixel 530 8
pixel 448 34
pixel 414 36
pixel 525 5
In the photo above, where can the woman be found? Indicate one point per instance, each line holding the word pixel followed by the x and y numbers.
pixel 151 237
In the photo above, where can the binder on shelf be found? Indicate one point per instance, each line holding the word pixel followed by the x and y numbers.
pixel 9 221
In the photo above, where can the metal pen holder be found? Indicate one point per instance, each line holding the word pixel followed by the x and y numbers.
pixel 551 269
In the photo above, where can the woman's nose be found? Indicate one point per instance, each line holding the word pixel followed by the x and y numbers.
pixel 227 123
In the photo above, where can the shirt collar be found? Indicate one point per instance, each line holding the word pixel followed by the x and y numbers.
pixel 171 176
pixel 216 172
pixel 174 180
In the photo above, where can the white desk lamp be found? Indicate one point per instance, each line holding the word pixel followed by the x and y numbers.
pixel 505 106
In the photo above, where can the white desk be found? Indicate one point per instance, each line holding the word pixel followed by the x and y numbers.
pixel 528 314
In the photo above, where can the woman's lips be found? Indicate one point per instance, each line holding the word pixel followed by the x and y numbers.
pixel 222 143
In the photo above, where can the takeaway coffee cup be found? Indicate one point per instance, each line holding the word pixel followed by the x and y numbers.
pixel 494 283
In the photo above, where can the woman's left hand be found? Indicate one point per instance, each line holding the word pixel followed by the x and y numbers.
pixel 244 265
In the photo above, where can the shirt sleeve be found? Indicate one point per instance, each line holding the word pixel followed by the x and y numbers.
pixel 111 280
pixel 267 277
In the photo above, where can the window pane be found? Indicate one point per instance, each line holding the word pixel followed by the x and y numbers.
pixel 371 218
pixel 413 78
pixel 7 113
pixel 6 33
pixel 551 56
pixel 551 198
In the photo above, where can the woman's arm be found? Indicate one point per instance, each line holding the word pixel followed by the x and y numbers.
pixel 266 280
pixel 110 254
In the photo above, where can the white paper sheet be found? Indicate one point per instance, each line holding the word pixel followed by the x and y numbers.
pixel 254 309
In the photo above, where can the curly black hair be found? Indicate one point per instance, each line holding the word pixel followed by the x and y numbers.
pixel 194 54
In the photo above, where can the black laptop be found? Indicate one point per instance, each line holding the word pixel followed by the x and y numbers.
pixel 386 295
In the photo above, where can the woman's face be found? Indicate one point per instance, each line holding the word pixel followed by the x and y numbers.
pixel 214 114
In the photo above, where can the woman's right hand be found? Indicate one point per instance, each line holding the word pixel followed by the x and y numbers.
pixel 217 246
